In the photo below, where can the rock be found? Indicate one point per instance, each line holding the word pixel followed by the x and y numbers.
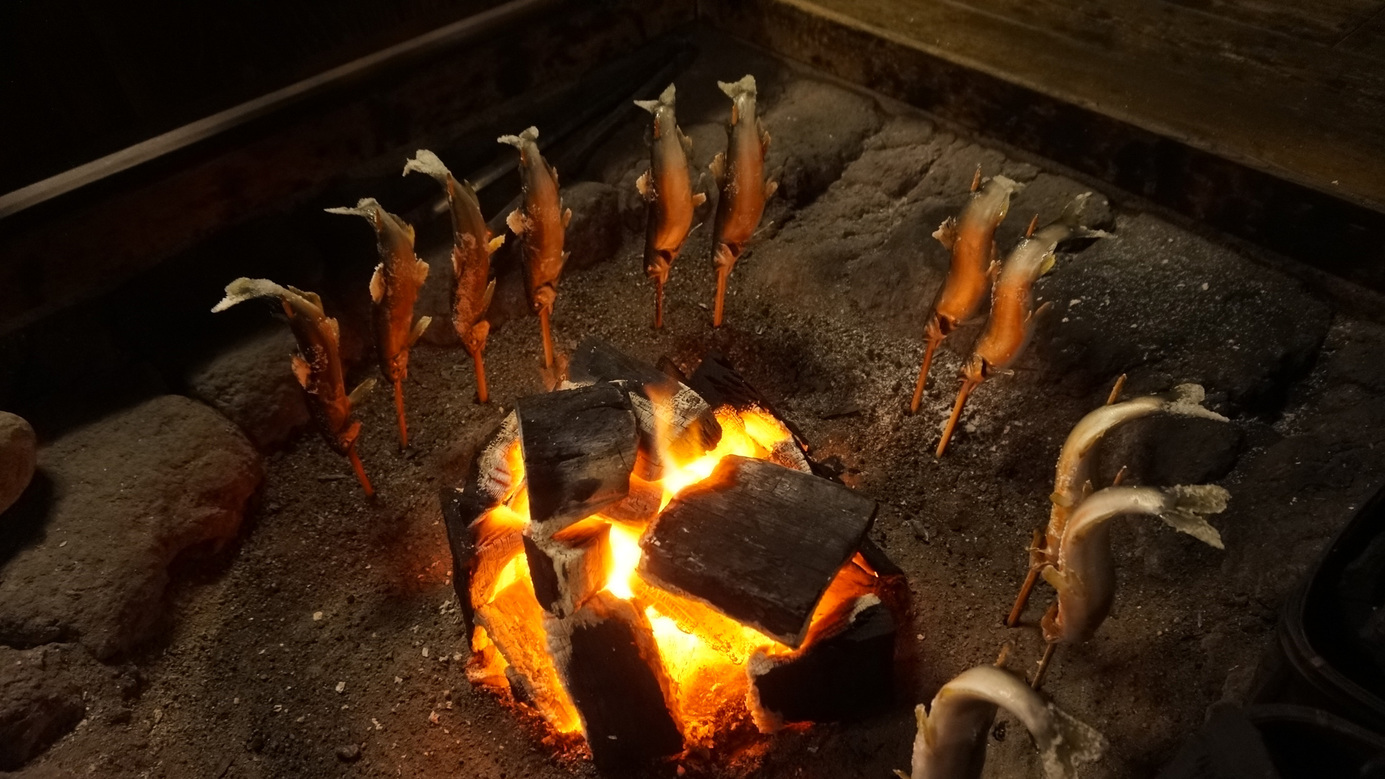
pixel 594 234
pixel 1162 451
pixel 129 493
pixel 349 753
pixel 1167 307
pixel 253 384
pixel 17 457
pixel 816 130
pixel 41 699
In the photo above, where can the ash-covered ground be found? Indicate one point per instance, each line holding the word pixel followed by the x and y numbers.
pixel 157 630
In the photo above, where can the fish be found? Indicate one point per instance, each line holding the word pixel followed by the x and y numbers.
pixel 1072 481
pixel 393 291
pixel 667 188
pixel 317 364
pixel 541 223
pixel 740 175
pixel 472 247
pixel 970 237
pixel 1084 573
pixel 1013 316
pixel 951 739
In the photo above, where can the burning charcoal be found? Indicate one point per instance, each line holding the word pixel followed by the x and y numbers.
pixel 489 480
pixel 608 660
pixel 1012 305
pixel 975 260
pixel 758 542
pixel 472 247
pixel 1085 572
pixel 596 360
pixel 951 740
pixel 845 672
pixel 540 222
pixel 579 450
pixel 514 623
pixel 393 290
pixel 667 187
pixel 720 384
pixel 568 567
pixel 740 173
pixel 317 365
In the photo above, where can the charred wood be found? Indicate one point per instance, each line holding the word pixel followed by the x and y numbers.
pixel 758 542
pixel 579 450
pixel 568 567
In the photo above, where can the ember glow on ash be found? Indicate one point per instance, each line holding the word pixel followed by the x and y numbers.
pixel 704 654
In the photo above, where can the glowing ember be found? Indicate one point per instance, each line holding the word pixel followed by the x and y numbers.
pixel 704 654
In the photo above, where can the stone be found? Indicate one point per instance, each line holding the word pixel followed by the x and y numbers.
pixel 1168 307
pixel 253 384
pixel 126 495
pixel 594 235
pixel 1163 451
pixel 349 753
pixel 817 129
pixel 41 698
pixel 18 450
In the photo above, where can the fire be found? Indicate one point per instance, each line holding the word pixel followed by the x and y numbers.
pixel 704 653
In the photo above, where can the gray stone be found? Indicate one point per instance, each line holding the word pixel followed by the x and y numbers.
pixel 128 494
pixel 594 234
pixel 817 130
pixel 253 384
pixel 18 450
pixel 1163 451
pixel 1167 307
pixel 41 699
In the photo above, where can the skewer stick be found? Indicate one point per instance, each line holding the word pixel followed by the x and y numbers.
pixel 658 304
pixel 1043 666
pixel 723 273
pixel 399 411
pixel 478 360
pixel 1029 581
pixel 1120 477
pixel 1033 223
pixel 360 472
pixel 967 386
pixel 1116 390
pixel 1004 655
pixel 923 374
pixel 547 338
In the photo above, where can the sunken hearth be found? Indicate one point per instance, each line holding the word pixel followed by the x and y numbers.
pixel 650 564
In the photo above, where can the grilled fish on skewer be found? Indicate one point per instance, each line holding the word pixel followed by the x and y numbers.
pixel 667 188
pixel 393 291
pixel 317 365
pixel 975 261
pixel 472 247
pixel 1084 573
pixel 740 175
pixel 951 739
pixel 1012 305
pixel 540 222
pixel 1072 482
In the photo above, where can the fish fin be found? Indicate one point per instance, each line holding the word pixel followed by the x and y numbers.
pixel 530 135
pixel 735 89
pixel 993 271
pixel 1187 401
pixel 362 389
pixel 1191 504
pixel 699 199
pixel 486 297
pixel 1059 499
pixel 244 289
pixel 301 369
pixel 652 106
pixel 495 244
pixel 377 283
pixel 1036 313
pixel 1047 264
pixel 420 270
pixel 419 327
pixel 764 138
pixel 667 96
pixel 427 163
pixel 516 222
pixel 718 168
pixel 311 297
pixel 770 188
pixel 365 208
pixel 685 141
pixel 1075 743
pixel 567 217
pixel 1055 578
pixel 643 185
pixel 947 232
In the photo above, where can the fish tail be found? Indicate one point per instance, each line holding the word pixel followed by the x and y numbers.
pixel 1191 503
pixel 244 289
pixel 530 135
pixel 366 207
pixel 426 162
pixel 1076 743
pixel 735 89
pixel 653 106
pixel 1187 401
pixel 1075 218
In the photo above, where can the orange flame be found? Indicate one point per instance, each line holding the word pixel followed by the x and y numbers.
pixel 704 653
